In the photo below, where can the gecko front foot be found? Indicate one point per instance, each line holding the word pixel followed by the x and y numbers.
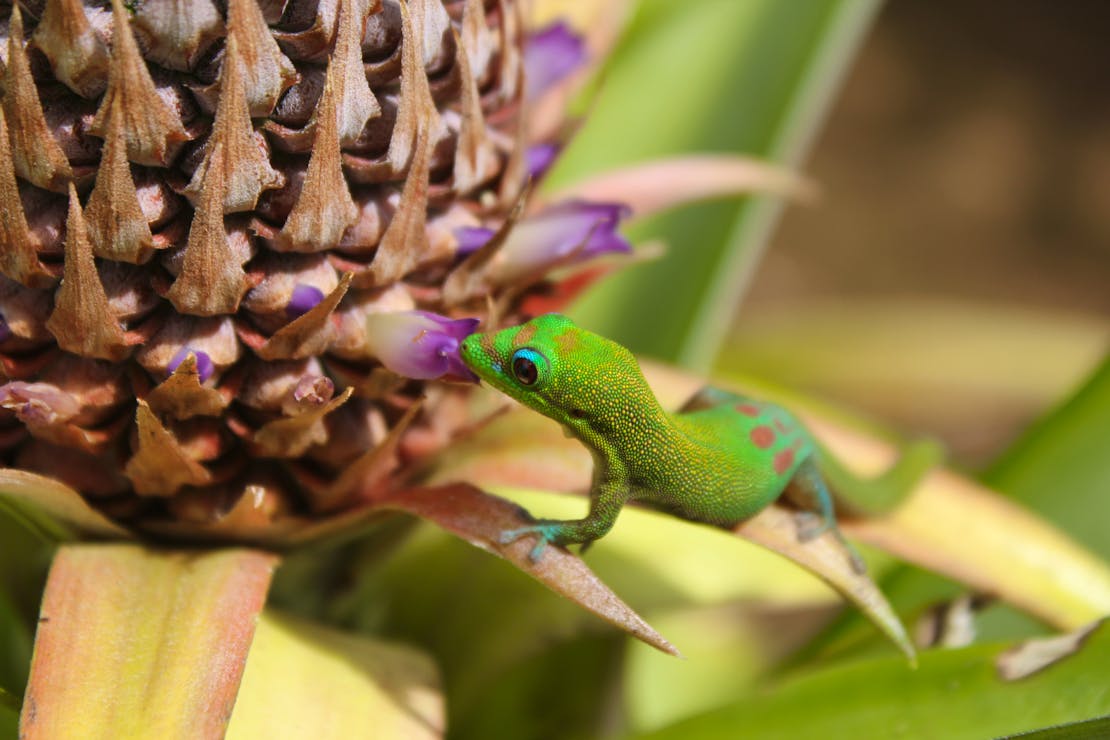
pixel 545 534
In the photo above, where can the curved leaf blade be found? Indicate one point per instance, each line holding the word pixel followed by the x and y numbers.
pixel 954 694
pixel 53 506
pixel 479 518
pixel 136 642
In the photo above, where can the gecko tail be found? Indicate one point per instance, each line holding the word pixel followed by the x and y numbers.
pixel 881 493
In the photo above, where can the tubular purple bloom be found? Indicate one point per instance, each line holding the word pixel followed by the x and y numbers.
pixel 419 344
pixel 472 238
pixel 551 54
pixel 205 366
pixel 572 231
pixel 304 299
pixel 539 158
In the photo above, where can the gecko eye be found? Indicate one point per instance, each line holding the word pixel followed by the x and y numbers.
pixel 524 366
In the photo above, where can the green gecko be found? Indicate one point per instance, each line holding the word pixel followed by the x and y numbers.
pixel 720 460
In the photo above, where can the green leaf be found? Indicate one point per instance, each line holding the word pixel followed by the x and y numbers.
pixel 1085 730
pixel 306 680
pixel 133 641
pixel 15 646
pixel 1060 467
pixel 954 694
pixel 719 75
pixel 52 508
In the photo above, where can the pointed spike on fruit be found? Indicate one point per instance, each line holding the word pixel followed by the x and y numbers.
pixel 246 165
pixel 37 156
pixel 181 396
pixel 118 228
pixel 310 333
pixel 83 321
pixel 19 259
pixel 160 466
pixel 212 281
pixel 475 158
pixel 270 72
pixel 406 237
pixel 151 129
pixel 355 102
pixel 77 55
pixel 324 208
pixel 292 436
pixel 176 33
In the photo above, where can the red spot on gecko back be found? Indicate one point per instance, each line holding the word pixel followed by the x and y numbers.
pixel 748 409
pixel 783 460
pixel 762 437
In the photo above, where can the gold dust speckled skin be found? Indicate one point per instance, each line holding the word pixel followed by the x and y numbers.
pixel 720 460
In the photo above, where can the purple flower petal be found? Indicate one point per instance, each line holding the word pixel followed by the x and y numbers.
pixel 471 239
pixel 571 231
pixel 420 344
pixel 539 158
pixel 205 366
pixel 551 54
pixel 38 403
pixel 303 300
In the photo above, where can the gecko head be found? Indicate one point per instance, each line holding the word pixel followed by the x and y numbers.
pixel 552 366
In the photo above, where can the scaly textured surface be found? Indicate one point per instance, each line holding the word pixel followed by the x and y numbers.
pixel 203 204
pixel 720 461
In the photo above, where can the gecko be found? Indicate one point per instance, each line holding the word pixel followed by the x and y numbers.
pixel 719 460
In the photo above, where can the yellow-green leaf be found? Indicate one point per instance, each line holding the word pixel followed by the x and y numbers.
pixel 135 642
pixel 306 680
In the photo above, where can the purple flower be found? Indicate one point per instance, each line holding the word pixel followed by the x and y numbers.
pixel 303 300
pixel 471 238
pixel 419 344
pixel 551 54
pixel 38 403
pixel 205 366
pixel 539 158
pixel 572 231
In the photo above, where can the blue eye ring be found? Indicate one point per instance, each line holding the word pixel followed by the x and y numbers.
pixel 525 365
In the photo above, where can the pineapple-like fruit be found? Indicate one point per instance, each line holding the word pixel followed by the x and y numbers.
pixel 203 203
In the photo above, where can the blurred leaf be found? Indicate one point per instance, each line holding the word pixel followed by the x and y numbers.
pixel 52 507
pixel 728 649
pixel 479 518
pixel 133 641
pixel 15 646
pixel 9 715
pixel 954 694
pixel 1061 467
pixel 668 183
pixel 306 680
pixel 935 362
pixel 564 691
pixel 752 77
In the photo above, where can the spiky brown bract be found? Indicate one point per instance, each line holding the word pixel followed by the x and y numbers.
pixel 177 178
